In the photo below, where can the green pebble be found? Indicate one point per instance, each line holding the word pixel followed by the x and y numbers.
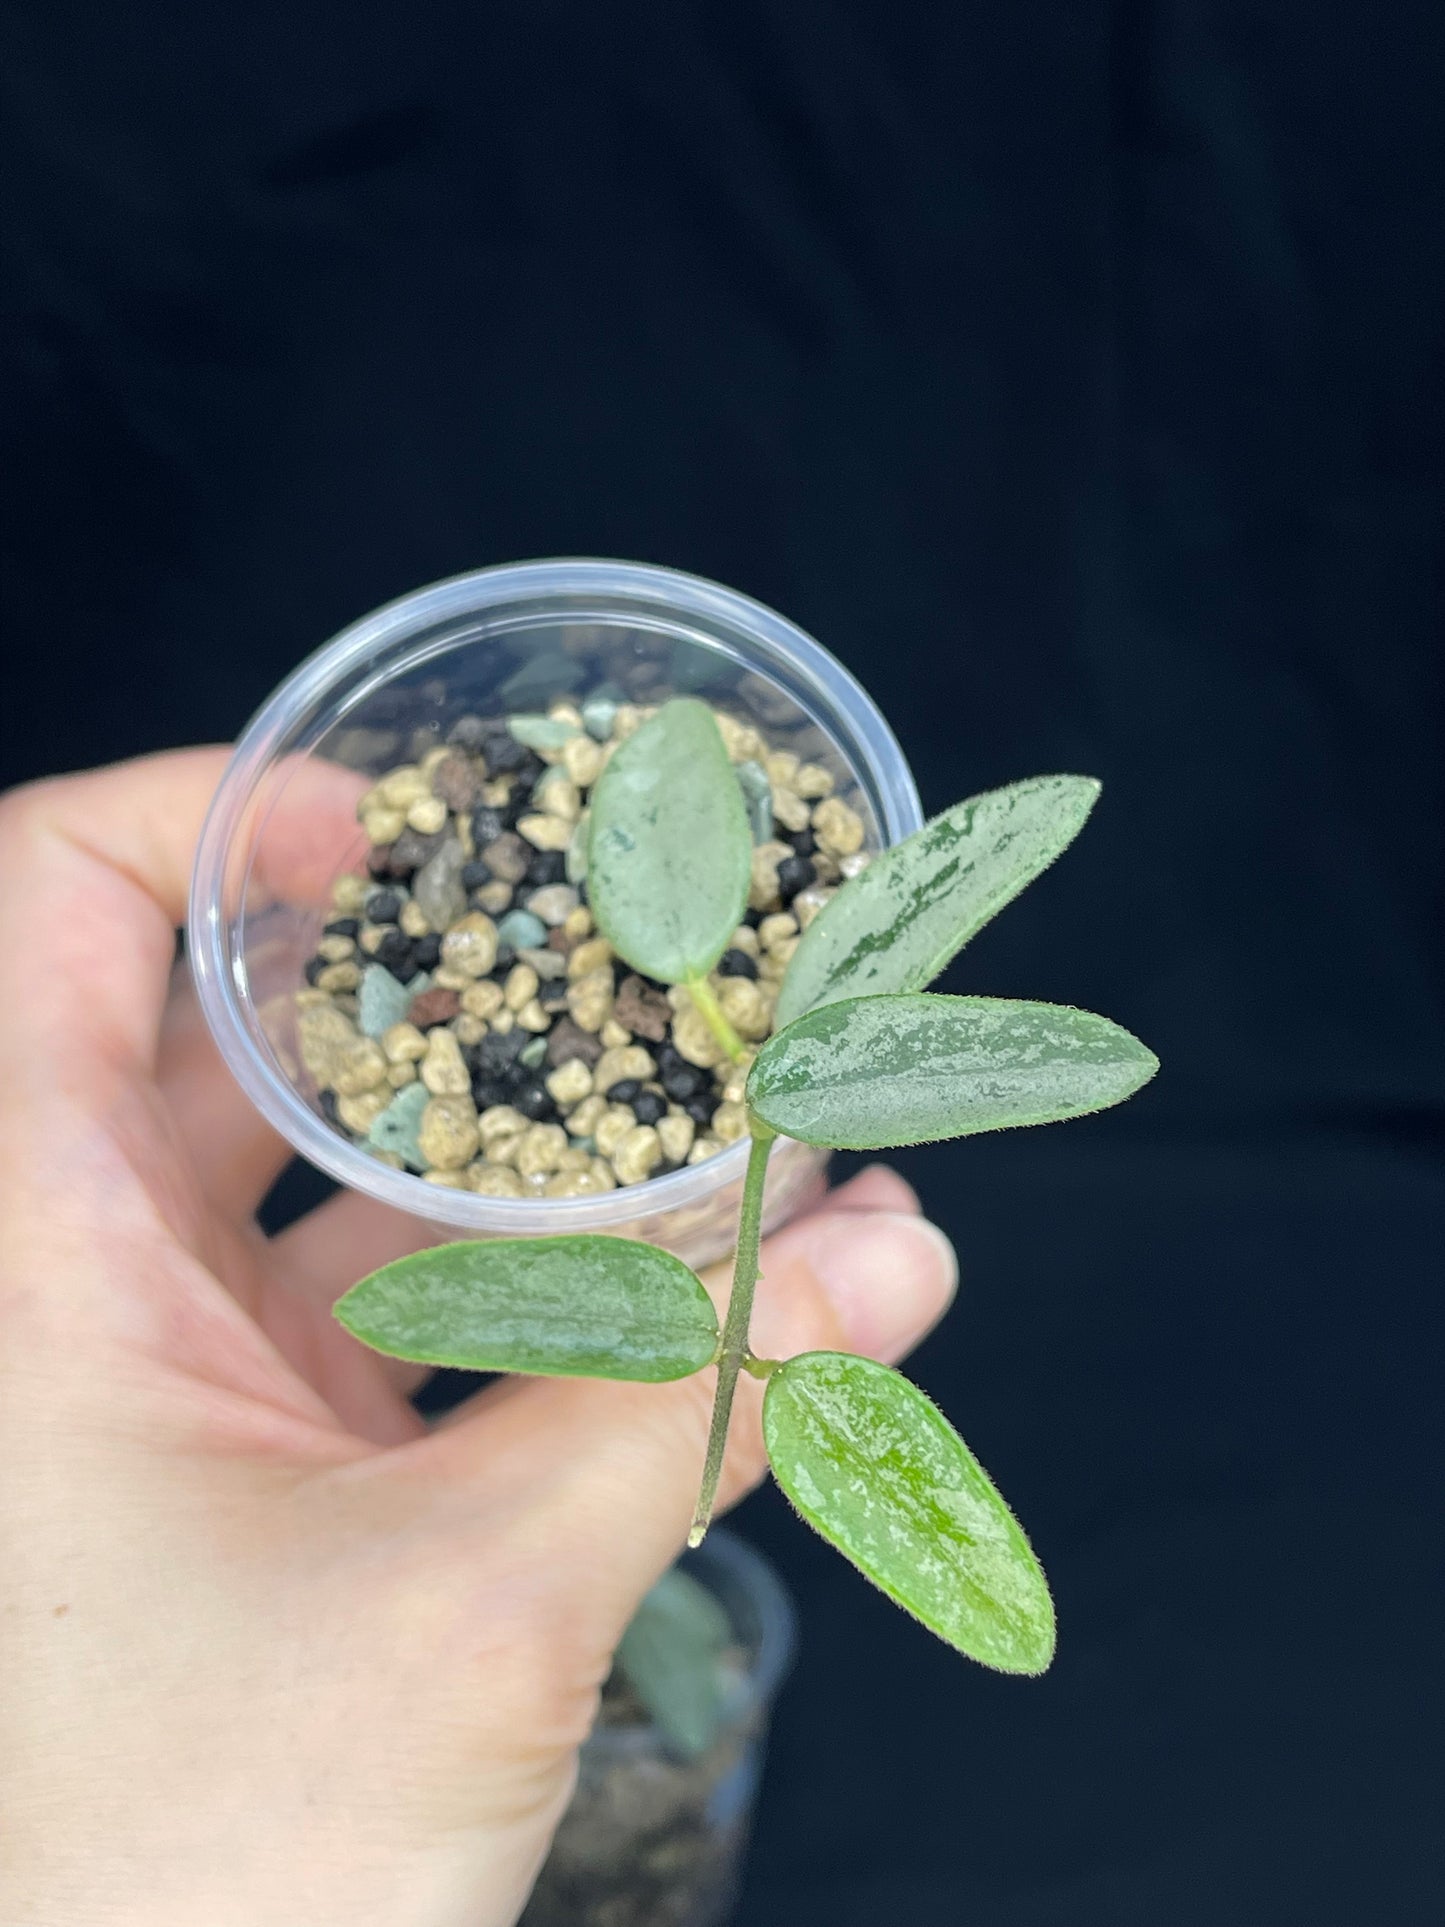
pixel 533 1054
pixel 381 1001
pixel 598 716
pixel 541 732
pixel 522 930
pixel 397 1127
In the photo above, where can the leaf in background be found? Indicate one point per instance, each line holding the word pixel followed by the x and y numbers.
pixel 913 909
pixel 876 1468
pixel 670 854
pixel 879 1071
pixel 560 1307
pixel 670 1654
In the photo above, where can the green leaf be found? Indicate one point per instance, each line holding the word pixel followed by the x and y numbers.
pixel 897 925
pixel 669 853
pixel 670 1654
pixel 877 1469
pixel 561 1307
pixel 879 1071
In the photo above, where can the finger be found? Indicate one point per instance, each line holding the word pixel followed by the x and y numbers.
pixel 238 1154
pixel 100 864
pixel 602 1477
pixel 877 1187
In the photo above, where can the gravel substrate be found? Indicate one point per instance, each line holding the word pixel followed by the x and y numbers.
pixel 463 1019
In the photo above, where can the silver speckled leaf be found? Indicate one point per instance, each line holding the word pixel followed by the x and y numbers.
pixel 899 923
pixel 669 853
pixel 875 1467
pixel 872 1072
pixel 559 1307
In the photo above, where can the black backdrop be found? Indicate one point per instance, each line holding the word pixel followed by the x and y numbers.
pixel 1074 372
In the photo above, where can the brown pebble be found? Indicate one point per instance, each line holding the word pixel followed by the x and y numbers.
pixel 507 857
pixel 457 781
pixel 411 850
pixel 642 1010
pixel 567 1040
pixel 433 1007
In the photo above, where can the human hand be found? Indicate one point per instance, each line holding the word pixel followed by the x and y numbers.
pixel 273 1651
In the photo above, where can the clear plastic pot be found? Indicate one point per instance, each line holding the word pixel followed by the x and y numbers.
pixel 387 689
pixel 653 1841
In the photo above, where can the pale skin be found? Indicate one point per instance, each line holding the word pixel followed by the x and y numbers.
pixel 271 1649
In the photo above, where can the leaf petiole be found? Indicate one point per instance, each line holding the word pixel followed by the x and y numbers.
pixel 704 996
pixel 734 1355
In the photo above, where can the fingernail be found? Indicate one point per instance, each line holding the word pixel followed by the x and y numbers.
pixel 877 1187
pixel 889 1276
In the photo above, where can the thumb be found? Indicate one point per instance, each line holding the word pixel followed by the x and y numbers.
pixel 608 1472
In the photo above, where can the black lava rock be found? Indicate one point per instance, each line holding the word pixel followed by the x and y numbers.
pixel 504 753
pixel 314 969
pixel 552 995
pixel 343 927
pixel 547 866
pixel 649 1107
pixel 487 825
pixel 426 952
pixel 624 1090
pixel 701 1108
pixel 737 963
pixel 803 841
pixel 394 951
pixel 795 873
pixel 475 874
pixel 683 1083
pixel 499 1050
pixel 384 906
pixel 534 1100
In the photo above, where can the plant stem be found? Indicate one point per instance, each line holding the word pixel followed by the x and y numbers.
pixel 705 998
pixel 734 1354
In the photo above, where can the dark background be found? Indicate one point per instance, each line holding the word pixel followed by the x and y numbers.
pixel 1074 372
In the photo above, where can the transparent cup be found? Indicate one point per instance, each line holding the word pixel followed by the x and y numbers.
pixel 652 1841
pixel 386 690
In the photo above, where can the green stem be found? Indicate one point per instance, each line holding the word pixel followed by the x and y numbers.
pixel 705 998
pixel 734 1354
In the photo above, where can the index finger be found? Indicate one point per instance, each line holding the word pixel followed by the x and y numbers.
pixel 97 869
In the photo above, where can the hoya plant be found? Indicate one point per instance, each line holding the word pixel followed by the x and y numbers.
pixel 865 1057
